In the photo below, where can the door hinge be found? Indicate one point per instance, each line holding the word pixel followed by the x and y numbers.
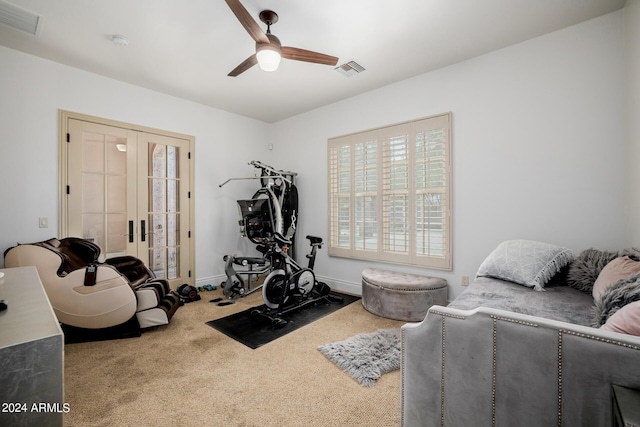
pixel 189 273
pixel 188 194
pixel 68 137
pixel 189 234
pixel 68 190
pixel 189 155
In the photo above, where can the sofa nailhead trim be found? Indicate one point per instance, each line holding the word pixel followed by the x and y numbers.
pixel 606 340
pixel 494 376
pixel 560 335
pixel 442 374
pixel 416 289
pixel 402 371
pixel 519 322
pixel 453 316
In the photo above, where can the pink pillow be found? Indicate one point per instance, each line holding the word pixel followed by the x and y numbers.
pixel 626 320
pixel 618 269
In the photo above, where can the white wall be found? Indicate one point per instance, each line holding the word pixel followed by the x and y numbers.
pixel 632 55
pixel 32 90
pixel 538 145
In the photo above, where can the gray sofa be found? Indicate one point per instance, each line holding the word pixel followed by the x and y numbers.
pixel 505 354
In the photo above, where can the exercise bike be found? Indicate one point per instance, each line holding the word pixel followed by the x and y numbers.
pixel 289 286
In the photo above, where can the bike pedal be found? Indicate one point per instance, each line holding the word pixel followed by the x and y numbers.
pixel 279 323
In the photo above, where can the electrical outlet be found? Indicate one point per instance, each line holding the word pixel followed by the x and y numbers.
pixel 465 280
pixel 43 222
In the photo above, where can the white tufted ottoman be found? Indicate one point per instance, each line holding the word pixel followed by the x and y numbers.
pixel 401 296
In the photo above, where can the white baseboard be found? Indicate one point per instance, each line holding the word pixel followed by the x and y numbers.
pixel 211 280
pixel 342 286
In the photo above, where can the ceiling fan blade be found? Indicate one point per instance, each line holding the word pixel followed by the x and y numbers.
pixel 244 66
pixel 247 21
pixel 308 56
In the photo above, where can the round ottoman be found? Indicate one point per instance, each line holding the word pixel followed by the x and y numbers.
pixel 401 296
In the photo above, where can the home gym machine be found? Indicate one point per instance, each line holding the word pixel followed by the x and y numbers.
pixel 272 209
pixel 269 220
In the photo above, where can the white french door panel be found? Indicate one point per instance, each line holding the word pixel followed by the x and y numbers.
pixel 101 186
pixel 130 192
pixel 163 205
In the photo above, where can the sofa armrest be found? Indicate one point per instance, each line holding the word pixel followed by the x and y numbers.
pixel 494 367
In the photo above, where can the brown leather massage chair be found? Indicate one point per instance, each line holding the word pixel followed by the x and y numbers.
pixel 85 293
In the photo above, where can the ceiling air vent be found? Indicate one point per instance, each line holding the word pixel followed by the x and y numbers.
pixel 19 18
pixel 349 69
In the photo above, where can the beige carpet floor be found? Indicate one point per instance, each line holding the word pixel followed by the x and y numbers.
pixel 189 374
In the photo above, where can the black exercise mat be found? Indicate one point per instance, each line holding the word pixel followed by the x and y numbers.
pixel 255 331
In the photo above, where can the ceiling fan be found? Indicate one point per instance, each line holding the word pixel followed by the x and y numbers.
pixel 268 47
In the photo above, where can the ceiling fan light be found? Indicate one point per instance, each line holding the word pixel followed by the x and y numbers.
pixel 268 57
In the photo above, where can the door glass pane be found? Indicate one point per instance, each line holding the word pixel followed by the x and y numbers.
pixel 157 160
pixel 172 162
pixel 93 228
pixel 173 271
pixel 158 195
pixel 164 210
pixel 116 155
pixel 116 191
pixel 93 188
pixel 116 241
pixel 158 262
pixel 172 195
pixel 104 191
pixel 157 228
pixel 92 152
pixel 173 230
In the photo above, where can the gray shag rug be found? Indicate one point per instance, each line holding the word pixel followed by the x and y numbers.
pixel 366 356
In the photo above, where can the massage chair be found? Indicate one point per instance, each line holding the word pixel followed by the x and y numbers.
pixel 85 293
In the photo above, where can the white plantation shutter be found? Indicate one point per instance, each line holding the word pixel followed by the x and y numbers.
pixel 390 194
pixel 365 167
pixel 340 203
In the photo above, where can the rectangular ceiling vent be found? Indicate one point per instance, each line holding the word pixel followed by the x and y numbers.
pixel 349 69
pixel 20 19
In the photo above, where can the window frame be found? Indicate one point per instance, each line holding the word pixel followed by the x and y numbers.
pixel 351 191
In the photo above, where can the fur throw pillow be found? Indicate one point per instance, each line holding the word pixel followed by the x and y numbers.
pixel 633 253
pixel 618 295
pixel 584 270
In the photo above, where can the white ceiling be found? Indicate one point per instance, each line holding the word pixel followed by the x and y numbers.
pixel 186 48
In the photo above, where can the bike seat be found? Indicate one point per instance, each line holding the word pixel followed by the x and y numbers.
pixel 249 261
pixel 314 239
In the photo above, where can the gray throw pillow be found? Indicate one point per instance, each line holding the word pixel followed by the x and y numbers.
pixel 526 262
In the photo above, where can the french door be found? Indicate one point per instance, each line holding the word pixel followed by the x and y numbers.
pixel 130 191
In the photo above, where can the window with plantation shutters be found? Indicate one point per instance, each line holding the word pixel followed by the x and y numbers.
pixel 390 194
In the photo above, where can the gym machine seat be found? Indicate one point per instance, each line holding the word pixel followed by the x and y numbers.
pixel 87 294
